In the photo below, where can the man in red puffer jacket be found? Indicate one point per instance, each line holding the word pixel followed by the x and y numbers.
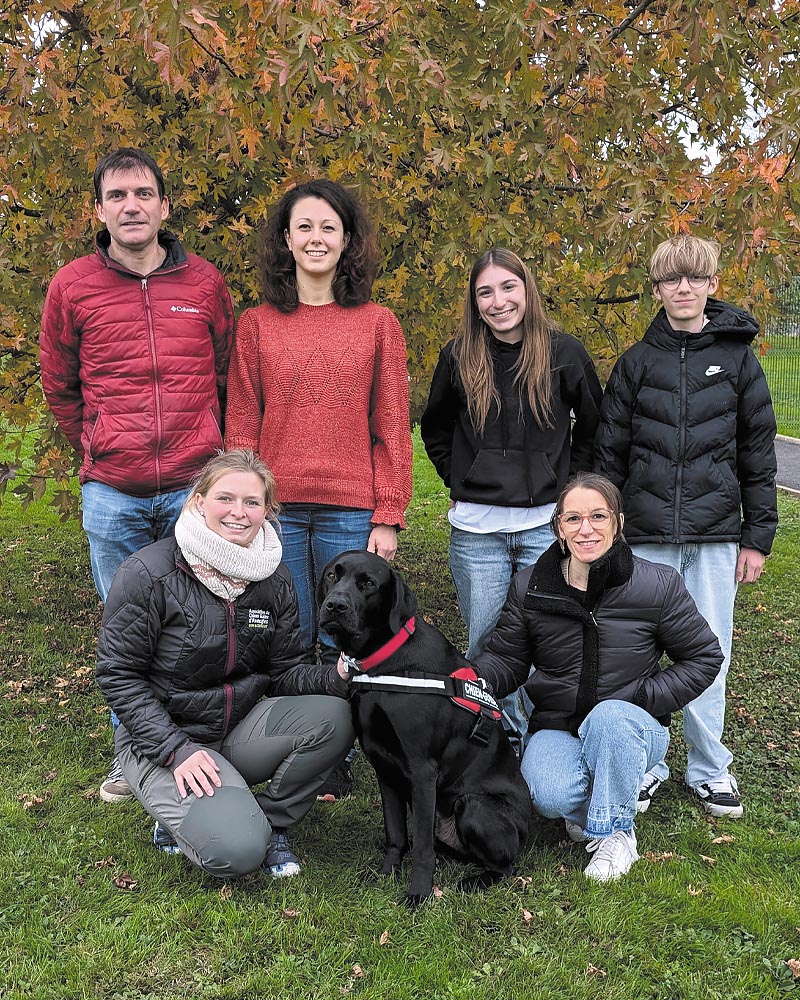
pixel 134 355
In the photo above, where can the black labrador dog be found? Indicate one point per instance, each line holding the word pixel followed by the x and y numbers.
pixel 453 768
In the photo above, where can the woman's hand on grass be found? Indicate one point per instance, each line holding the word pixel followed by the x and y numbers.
pixel 198 773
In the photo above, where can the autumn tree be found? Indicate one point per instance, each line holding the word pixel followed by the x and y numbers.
pixel 561 129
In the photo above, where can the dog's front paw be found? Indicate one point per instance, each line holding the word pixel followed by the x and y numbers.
pixel 392 863
pixel 412 900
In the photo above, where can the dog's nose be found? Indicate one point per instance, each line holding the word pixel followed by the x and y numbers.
pixel 334 602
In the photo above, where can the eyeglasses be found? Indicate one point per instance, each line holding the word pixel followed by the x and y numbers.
pixel 673 280
pixel 573 521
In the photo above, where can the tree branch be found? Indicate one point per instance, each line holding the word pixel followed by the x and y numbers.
pixel 582 68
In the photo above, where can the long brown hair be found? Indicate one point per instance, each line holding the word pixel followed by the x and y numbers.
pixel 474 360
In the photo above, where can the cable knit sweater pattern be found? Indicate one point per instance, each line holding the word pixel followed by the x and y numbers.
pixel 321 394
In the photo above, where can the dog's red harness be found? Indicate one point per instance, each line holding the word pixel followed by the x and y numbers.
pixel 463 687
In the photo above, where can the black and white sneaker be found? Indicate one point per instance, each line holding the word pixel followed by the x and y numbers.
pixel 720 797
pixel 281 861
pixel 650 786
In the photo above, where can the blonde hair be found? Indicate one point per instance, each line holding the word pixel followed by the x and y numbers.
pixel 237 460
pixel 474 361
pixel 688 255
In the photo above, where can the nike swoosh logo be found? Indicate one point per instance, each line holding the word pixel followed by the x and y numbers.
pixel 713 370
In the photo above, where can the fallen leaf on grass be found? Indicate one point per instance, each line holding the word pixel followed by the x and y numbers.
pixel 89 793
pixel 357 971
pixel 80 880
pixel 592 970
pixel 437 892
pixel 709 861
pixel 522 881
pixel 51 776
pixel 108 862
pixel 225 893
pixel 695 891
pixel 527 916
pixel 290 914
pixel 384 938
pixel 794 967
pixel 31 802
pixel 660 855
pixel 126 882
pixel 724 839
pixel 759 609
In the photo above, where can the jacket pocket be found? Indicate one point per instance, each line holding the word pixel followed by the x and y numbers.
pixel 99 438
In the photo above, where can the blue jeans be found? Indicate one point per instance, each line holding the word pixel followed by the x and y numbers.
pixel 117 525
pixel 594 779
pixel 482 567
pixel 312 535
pixel 709 572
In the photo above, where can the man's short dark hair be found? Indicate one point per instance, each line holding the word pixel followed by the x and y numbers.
pixel 126 159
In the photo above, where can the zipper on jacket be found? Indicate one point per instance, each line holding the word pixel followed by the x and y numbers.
pixel 151 332
pixel 676 513
pixel 230 612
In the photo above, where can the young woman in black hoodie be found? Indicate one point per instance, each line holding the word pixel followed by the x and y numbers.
pixel 512 412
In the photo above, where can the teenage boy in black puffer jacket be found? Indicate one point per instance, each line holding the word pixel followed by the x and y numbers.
pixel 687 433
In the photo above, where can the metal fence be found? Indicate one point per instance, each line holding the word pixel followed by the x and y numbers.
pixel 781 360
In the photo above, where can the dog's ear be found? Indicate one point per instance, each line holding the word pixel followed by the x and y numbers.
pixel 404 604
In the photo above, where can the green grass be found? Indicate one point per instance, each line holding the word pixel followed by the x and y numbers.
pixel 677 926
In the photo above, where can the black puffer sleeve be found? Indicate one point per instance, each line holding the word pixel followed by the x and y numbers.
pixel 506 661
pixel 129 634
pixel 756 464
pixel 684 635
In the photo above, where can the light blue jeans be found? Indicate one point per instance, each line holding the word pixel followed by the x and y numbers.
pixel 117 525
pixel 312 535
pixel 709 572
pixel 482 567
pixel 594 779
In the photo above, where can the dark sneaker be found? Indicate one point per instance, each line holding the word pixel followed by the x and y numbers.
pixel 720 797
pixel 338 784
pixel 115 788
pixel 650 786
pixel 280 860
pixel 164 840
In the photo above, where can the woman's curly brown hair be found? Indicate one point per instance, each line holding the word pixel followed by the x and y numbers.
pixel 358 264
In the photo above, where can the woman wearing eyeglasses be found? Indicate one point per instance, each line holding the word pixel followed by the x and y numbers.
pixel 595 620
pixel 512 412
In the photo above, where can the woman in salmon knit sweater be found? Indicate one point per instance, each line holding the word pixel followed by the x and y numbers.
pixel 318 387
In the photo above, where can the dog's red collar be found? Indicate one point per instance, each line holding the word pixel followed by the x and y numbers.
pixel 385 651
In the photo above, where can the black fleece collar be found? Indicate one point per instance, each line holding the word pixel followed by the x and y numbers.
pixel 612 569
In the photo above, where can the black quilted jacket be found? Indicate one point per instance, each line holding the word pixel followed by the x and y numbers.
pixel 687 432
pixel 182 667
pixel 608 647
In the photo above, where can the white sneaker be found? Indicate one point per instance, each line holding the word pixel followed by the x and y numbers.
pixel 575 832
pixel 720 797
pixel 650 786
pixel 613 856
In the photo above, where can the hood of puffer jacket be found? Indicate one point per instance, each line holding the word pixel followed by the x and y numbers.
pixel 725 322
